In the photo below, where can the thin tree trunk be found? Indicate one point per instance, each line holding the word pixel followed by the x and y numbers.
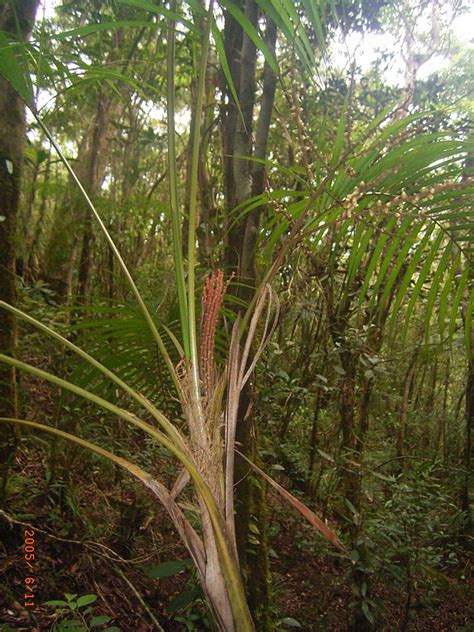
pixel 70 273
pixel 347 404
pixel 206 194
pixel 101 136
pixel 469 416
pixel 407 394
pixel 90 168
pixel 31 262
pixel 440 439
pixel 28 227
pixel 110 272
pixel 314 433
pixel 468 444
pixel 419 390
pixel 465 499
pixel 243 133
pixel 233 36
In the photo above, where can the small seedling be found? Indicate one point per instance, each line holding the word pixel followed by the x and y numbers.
pixel 76 614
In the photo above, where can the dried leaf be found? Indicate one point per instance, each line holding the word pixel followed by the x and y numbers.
pixel 317 523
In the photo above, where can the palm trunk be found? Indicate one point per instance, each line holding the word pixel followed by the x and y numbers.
pixel 468 449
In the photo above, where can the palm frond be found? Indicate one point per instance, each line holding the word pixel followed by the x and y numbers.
pixel 394 211
pixel 121 340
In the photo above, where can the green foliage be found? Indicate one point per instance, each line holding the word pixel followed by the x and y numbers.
pixel 410 540
pixel 120 338
pixel 76 613
pixel 168 569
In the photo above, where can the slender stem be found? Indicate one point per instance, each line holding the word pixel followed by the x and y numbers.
pixel 138 296
pixel 196 142
pixel 140 598
pixel 173 181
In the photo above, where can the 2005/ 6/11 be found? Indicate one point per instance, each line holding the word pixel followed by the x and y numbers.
pixel 29 557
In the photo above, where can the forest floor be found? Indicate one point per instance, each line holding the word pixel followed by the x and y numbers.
pixel 310 585
pixel 310 588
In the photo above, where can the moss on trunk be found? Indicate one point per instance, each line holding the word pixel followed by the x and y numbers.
pixel 252 521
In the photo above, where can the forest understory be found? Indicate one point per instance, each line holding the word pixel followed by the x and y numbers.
pixel 98 535
pixel 309 586
pixel 236 315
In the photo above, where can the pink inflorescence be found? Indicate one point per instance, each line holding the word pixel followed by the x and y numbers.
pixel 212 297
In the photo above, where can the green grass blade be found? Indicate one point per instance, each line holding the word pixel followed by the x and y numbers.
pixel 156 8
pixel 173 180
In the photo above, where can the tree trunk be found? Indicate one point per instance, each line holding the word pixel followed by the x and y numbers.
pixel 465 499
pixel 90 168
pixel 99 142
pixel 440 438
pixel 241 182
pixel 18 19
pixel 28 228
